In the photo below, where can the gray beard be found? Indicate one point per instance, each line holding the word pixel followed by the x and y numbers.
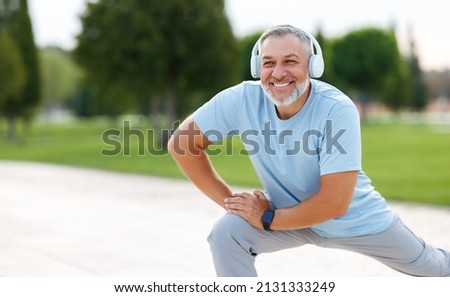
pixel 296 93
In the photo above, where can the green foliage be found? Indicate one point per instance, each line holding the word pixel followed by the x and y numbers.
pixel 60 75
pixel 12 71
pixel 327 46
pixel 369 62
pixel 156 50
pixel 18 25
pixel 364 57
pixel 417 83
pixel 15 21
pixel 397 90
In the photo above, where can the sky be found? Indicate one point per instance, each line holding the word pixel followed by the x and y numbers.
pixel 56 22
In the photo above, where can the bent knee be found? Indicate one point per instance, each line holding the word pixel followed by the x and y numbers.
pixel 231 232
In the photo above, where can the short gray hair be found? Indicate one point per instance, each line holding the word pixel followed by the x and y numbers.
pixel 283 30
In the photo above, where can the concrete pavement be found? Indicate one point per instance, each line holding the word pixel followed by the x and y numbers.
pixel 66 221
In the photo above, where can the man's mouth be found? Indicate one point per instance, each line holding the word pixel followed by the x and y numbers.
pixel 280 84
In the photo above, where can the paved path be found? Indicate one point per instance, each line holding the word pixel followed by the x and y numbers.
pixel 65 221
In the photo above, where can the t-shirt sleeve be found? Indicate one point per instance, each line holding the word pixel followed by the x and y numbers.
pixel 340 146
pixel 219 117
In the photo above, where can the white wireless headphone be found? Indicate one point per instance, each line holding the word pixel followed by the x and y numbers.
pixel 316 64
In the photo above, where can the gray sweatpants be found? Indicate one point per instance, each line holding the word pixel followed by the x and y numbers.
pixel 235 244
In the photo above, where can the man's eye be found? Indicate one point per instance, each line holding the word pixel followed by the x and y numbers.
pixel 268 63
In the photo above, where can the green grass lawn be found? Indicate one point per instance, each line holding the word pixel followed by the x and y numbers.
pixel 405 162
pixel 408 162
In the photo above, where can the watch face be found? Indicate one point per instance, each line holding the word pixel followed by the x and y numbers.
pixel 267 216
pixel 267 219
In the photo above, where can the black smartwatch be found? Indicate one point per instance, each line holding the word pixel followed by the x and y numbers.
pixel 267 219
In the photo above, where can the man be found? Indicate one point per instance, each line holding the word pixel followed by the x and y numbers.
pixel 303 139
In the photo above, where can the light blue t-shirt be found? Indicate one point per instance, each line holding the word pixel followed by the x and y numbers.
pixel 289 156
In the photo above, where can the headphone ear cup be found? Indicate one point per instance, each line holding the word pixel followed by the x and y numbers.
pixel 316 66
pixel 254 61
pixel 254 66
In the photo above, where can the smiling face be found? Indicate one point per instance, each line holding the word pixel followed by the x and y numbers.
pixel 284 70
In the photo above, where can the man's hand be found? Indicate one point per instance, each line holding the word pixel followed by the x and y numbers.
pixel 249 206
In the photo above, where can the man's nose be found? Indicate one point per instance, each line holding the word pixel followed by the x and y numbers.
pixel 278 71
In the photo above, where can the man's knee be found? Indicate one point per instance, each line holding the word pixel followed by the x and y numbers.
pixel 230 232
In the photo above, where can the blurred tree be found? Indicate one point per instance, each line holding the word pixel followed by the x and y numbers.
pixel 81 100
pixel 327 53
pixel 417 83
pixel 368 61
pixel 16 21
pixel 60 76
pixel 164 52
pixel 112 44
pixel 245 52
pixel 12 71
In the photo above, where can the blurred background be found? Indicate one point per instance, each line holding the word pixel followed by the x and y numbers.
pixel 103 83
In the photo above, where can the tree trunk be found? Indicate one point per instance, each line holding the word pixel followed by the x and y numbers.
pixel 154 109
pixel 364 102
pixel 155 120
pixel 162 125
pixel 170 117
pixel 11 133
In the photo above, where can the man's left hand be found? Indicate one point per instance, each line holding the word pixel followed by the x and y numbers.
pixel 249 206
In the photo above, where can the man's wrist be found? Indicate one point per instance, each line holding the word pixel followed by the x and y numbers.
pixel 267 218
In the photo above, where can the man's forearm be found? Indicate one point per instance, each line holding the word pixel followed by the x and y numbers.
pixel 199 171
pixel 187 147
pixel 331 201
